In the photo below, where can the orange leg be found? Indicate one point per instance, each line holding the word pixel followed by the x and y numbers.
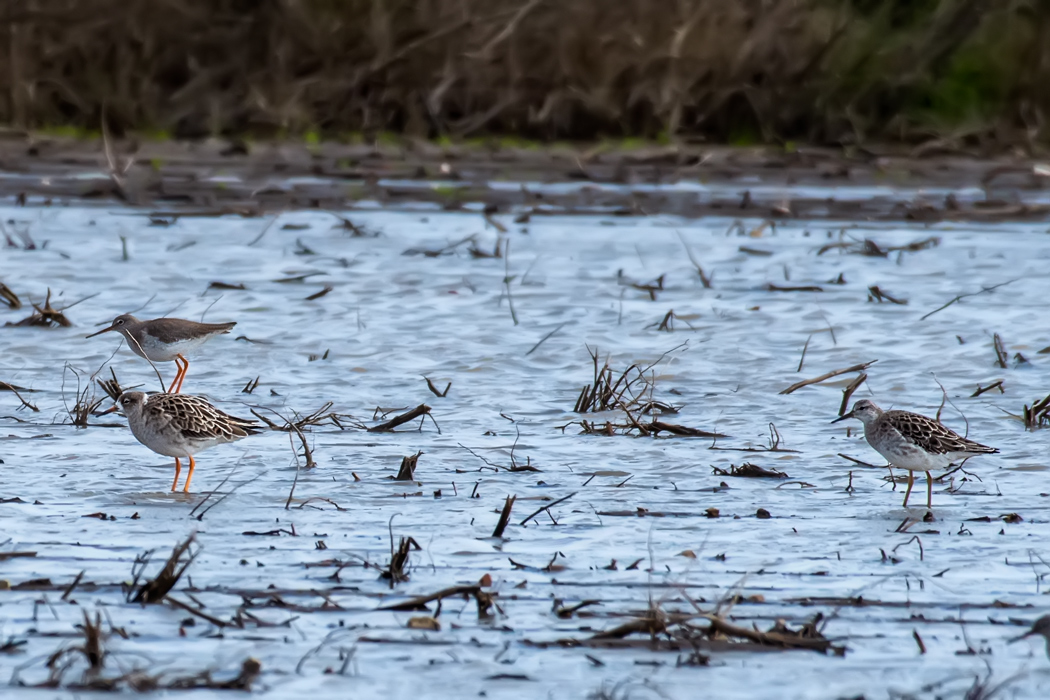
pixel 189 476
pixel 182 376
pixel 178 469
pixel 911 482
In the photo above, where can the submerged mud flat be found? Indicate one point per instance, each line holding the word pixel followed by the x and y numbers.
pixel 647 530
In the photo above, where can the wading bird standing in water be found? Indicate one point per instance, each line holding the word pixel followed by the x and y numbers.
pixel 180 426
pixel 166 340
pixel 913 442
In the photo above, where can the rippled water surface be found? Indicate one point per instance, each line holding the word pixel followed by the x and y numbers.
pixel 963 583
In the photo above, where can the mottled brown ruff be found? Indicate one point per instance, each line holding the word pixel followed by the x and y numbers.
pixel 180 426
pixel 913 442
pixel 166 340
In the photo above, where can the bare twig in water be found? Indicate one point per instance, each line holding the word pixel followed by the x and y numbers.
pixel 876 294
pixel 704 279
pixel 804 349
pixel 507 279
pixel 301 422
pixel 417 412
pixel 484 600
pixel 1001 355
pixel 435 391
pixel 504 516
pixel 545 338
pixel 963 296
pixel 547 507
pixel 5 386
pixel 828 375
pixel 998 384
pixel 847 393
pixel 9 297
pixel 770 287
pixel 265 229
pixel 407 470
pixel 395 571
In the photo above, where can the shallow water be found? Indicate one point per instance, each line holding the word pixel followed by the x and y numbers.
pixel 391 319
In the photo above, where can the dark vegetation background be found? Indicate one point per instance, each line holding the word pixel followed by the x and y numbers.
pixel 733 71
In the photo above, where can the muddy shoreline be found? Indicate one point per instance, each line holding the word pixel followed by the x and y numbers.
pixel 218 177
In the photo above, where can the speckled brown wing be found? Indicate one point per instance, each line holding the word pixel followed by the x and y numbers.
pixel 196 419
pixel 931 435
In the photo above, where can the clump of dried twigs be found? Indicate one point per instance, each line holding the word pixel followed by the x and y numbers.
pixel 681 632
pixel 111 386
pixel 395 570
pixel 92 654
pixel 630 392
pixel 154 590
pixel 751 471
pixel 609 391
pixel 44 316
pixel 299 423
pixel 86 403
pixel 1037 415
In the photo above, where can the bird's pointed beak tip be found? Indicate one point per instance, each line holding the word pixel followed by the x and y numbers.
pixel 843 417
pixel 112 409
pixel 104 330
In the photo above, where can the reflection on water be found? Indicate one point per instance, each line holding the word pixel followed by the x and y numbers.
pixel 392 319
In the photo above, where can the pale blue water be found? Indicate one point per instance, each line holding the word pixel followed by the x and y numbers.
pixel 392 319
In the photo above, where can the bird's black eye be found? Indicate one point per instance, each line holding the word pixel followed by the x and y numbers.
pixel 125 401
pixel 119 322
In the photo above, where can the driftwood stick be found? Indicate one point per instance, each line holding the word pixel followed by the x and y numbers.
pixel 420 410
pixel 828 375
